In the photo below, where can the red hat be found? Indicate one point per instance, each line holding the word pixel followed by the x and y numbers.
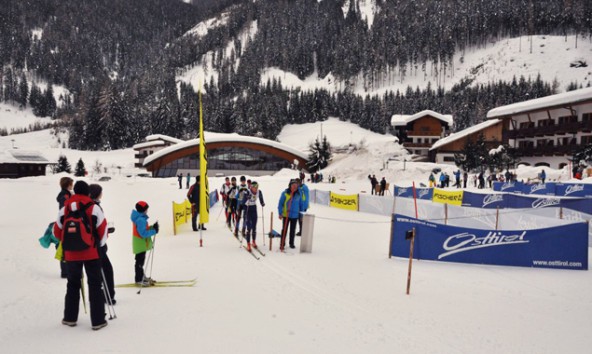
pixel 141 206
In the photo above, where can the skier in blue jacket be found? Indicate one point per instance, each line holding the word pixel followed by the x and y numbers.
pixel 289 207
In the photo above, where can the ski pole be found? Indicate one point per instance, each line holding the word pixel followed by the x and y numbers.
pixel 151 256
pixel 82 292
pixel 110 306
pixel 144 268
pixel 263 224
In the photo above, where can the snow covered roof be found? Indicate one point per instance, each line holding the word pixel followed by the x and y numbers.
pixel 541 103
pixel 401 119
pixel 148 144
pixel 220 138
pixel 464 133
pixel 163 137
pixel 23 156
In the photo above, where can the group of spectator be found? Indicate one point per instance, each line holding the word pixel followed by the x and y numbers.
pixel 378 188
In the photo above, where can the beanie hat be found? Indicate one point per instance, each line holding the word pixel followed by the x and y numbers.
pixel 254 184
pixel 243 178
pixel 141 206
pixel 95 191
pixel 81 187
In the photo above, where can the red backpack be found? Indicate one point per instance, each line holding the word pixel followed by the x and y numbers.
pixel 78 235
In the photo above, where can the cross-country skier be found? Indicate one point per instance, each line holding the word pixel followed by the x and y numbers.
pixel 66 183
pixel 231 209
pixel 289 207
pixel 241 198
pixel 142 240
pixel 251 214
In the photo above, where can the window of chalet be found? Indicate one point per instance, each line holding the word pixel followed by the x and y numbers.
pixel 448 158
pixel 525 125
pixel 587 117
pixel 568 119
pixel 587 140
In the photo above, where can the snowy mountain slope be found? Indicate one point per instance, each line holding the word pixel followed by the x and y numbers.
pixel 205 70
pixel 12 117
pixel 505 59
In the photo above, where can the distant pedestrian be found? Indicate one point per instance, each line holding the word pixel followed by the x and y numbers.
pixel 373 183
pixel 188 180
pixel 180 179
pixel 193 197
pixel 432 180
pixel 382 186
pixel 457 179
pixel 543 176
pixel 465 178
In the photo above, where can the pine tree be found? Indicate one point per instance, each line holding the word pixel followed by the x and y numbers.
pixel 80 170
pixel 23 95
pixel 320 155
pixel 63 165
pixel 50 102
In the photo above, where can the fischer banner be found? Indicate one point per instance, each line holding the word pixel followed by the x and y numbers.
pixel 181 214
pixel 447 197
pixel 348 202
pixel 560 247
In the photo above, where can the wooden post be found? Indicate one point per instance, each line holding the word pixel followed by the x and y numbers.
pixel 446 214
pixel 560 212
pixel 390 252
pixel 410 261
pixel 270 230
pixel 496 218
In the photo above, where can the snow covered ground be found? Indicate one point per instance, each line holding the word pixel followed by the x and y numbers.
pixel 347 296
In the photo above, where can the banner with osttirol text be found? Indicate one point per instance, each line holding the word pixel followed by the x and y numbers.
pixel 447 197
pixel 347 202
pixel 560 247
pixel 487 201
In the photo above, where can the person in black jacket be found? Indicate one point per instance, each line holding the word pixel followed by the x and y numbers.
pixel 193 197
pixel 66 183
pixel 96 194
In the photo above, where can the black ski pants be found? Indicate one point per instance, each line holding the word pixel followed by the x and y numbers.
pixel 291 223
pixel 140 259
pixel 72 301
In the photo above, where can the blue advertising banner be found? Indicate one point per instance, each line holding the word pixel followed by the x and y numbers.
pixel 213 198
pixel 489 201
pixel 539 188
pixel 573 190
pixel 509 187
pixel 561 247
pixel 407 192
pixel 522 201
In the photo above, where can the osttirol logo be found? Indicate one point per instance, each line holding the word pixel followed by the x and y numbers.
pixel 537 187
pixel 508 185
pixel 401 191
pixel 574 188
pixel 422 193
pixel 465 242
pixel 545 202
pixel 492 198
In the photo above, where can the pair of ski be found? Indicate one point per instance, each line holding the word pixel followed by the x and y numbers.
pixel 246 249
pixel 161 284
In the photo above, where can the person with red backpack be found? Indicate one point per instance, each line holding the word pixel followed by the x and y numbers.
pixel 75 229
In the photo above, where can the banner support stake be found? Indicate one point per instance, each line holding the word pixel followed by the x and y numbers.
pixel 410 261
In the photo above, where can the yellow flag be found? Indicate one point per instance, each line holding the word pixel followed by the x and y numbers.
pixel 204 195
